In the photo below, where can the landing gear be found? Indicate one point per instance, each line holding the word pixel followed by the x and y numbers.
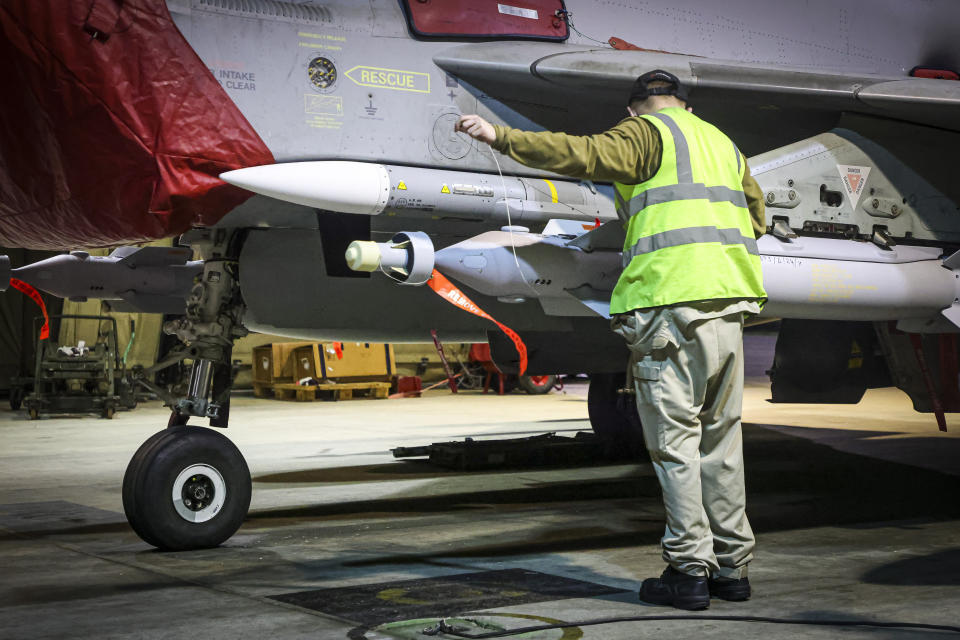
pixel 186 488
pixel 613 415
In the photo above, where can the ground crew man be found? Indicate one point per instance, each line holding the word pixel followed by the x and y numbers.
pixel 691 273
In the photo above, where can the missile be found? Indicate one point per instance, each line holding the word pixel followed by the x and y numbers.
pixel 805 277
pixel 372 189
pixel 145 279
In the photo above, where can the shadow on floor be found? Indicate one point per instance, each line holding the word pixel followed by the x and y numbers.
pixel 791 483
pixel 940 569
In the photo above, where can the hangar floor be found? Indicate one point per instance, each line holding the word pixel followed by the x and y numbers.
pixel 856 510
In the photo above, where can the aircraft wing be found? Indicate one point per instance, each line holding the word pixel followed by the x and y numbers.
pixel 540 72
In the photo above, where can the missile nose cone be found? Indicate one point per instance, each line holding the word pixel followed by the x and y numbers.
pixel 348 187
pixel 363 256
pixel 5 272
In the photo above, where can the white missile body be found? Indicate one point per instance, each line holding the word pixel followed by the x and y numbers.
pixel 371 189
pixel 334 185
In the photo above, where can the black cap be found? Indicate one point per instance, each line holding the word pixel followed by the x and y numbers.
pixel 641 91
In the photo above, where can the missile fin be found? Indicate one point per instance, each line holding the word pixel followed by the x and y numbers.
pixel 953 262
pixel 952 313
pixel 153 256
pixel 146 303
pixel 609 236
pixel 594 299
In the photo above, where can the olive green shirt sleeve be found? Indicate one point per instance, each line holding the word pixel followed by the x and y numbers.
pixel 751 189
pixel 629 152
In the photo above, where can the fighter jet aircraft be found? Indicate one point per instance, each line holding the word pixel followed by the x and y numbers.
pixel 283 137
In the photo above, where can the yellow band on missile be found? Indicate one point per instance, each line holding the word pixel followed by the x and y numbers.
pixel 553 191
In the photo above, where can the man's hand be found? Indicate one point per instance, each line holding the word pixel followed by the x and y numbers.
pixel 477 128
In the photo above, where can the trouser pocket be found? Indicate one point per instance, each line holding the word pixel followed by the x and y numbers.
pixel 646 374
pixel 643 334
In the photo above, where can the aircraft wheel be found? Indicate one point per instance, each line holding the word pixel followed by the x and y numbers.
pixel 613 415
pixel 186 488
pixel 34 413
pixel 537 385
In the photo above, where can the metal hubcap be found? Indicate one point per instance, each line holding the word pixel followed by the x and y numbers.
pixel 199 493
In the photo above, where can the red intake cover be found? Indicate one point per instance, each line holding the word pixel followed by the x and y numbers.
pixel 536 19
pixel 112 130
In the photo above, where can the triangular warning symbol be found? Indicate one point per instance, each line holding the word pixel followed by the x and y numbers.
pixel 402 186
pixel 445 189
pixel 854 178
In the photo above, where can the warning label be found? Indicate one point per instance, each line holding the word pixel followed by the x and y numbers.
pixel 329 105
pixel 390 79
pixel 854 178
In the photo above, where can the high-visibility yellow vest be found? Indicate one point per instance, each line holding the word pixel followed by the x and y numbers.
pixel 689 234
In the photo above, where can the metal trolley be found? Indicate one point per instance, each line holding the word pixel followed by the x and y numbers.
pixel 89 382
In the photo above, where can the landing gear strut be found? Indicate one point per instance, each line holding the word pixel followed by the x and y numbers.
pixel 189 487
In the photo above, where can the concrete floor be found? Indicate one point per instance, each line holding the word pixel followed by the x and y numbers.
pixel 856 510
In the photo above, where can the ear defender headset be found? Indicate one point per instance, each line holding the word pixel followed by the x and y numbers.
pixel 641 91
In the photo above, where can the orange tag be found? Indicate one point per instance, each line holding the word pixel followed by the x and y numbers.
pixel 449 292
pixel 25 288
pixel 338 350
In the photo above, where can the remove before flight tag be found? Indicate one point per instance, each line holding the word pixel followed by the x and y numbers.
pixel 449 292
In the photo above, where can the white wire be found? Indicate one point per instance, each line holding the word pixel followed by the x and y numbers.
pixel 506 202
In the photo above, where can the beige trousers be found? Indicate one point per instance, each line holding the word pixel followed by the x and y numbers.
pixel 687 370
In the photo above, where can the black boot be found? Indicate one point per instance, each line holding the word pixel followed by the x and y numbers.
pixel 730 589
pixel 676 589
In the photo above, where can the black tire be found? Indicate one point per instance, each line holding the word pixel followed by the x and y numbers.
pixel 537 385
pixel 186 456
pixel 613 416
pixel 130 479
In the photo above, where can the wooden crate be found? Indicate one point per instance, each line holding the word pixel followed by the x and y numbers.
pixel 273 362
pixel 360 361
pixel 327 391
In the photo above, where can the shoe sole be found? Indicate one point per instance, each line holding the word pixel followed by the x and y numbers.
pixel 736 596
pixel 691 605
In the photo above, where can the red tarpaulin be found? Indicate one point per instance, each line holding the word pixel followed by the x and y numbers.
pixel 112 130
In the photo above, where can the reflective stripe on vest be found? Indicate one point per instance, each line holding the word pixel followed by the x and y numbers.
pixel 689 235
pixel 670 193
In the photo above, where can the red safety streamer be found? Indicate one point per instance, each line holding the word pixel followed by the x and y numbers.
pixel 34 295
pixel 449 292
pixel 338 350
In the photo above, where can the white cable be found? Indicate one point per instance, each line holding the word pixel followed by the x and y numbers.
pixel 506 202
